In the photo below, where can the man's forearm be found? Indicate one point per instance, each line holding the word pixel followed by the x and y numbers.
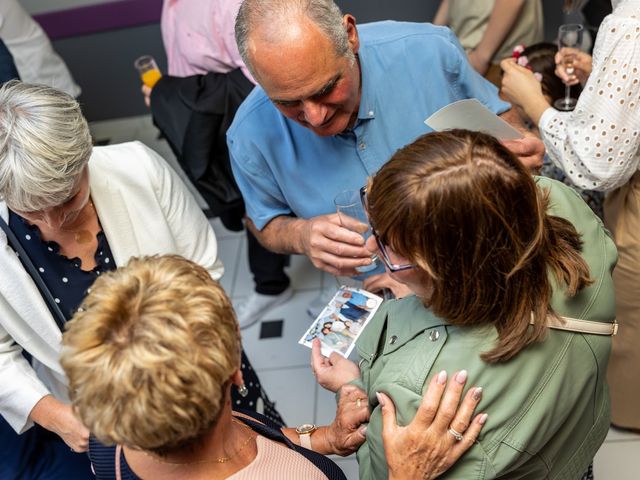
pixel 281 235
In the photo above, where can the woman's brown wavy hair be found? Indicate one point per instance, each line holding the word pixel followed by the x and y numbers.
pixel 468 214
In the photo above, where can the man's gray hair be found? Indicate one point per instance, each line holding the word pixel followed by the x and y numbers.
pixel 45 145
pixel 277 14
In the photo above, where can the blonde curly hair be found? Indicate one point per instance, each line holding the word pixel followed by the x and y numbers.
pixel 150 353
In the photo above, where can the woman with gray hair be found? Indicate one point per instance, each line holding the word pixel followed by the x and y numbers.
pixel 70 212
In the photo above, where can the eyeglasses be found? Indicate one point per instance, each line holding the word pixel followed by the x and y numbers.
pixel 392 267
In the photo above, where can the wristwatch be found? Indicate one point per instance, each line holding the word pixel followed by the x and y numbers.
pixel 304 431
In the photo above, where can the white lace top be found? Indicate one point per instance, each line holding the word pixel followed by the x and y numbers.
pixel 598 144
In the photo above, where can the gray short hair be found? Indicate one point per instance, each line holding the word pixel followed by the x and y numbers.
pixel 325 14
pixel 45 145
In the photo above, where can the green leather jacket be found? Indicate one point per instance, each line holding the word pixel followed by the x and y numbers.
pixel 548 407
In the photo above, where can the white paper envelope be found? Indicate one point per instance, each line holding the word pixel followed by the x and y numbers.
pixel 470 114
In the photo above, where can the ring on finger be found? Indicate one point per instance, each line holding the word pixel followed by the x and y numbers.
pixel 358 402
pixel 457 435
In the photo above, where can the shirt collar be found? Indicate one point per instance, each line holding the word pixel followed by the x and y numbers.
pixel 368 104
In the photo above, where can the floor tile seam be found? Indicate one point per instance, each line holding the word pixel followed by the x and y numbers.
pixel 275 369
pixel 236 269
pixel 295 290
pixel 622 440
pixel 228 236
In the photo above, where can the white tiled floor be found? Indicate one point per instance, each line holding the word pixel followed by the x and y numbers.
pixel 282 364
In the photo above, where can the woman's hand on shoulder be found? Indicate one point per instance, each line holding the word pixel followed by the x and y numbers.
pixel 428 446
pixel 333 372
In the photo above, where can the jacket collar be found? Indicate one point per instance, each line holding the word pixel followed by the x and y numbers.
pixel 114 216
pixel 22 296
pixel 398 322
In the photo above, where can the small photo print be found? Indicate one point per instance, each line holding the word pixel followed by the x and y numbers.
pixel 342 320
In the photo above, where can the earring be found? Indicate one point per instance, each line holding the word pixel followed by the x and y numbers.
pixel 243 391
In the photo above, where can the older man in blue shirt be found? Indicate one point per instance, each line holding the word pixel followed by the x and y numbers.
pixel 334 102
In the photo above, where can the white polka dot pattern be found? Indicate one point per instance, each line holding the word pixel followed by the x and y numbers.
pixel 598 144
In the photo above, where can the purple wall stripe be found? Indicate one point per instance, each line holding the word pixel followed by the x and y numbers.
pixel 99 18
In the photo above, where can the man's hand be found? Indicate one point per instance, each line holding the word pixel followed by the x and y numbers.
pixel 376 283
pixel 347 431
pixel 59 418
pixel 582 65
pixel 530 151
pixel 333 372
pixel 425 448
pixel 146 92
pixel 335 246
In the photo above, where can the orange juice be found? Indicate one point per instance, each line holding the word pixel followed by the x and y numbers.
pixel 151 77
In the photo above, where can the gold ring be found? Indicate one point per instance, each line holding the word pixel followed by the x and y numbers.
pixel 358 402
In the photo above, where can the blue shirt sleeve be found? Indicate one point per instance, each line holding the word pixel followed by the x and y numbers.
pixel 474 85
pixel 262 196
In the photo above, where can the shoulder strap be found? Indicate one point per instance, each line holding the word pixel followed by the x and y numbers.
pixel 118 451
pixel 323 463
pixel 580 326
pixel 258 417
pixel 253 420
pixel 57 314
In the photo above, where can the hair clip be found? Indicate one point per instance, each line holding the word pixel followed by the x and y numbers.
pixel 523 61
pixel 517 51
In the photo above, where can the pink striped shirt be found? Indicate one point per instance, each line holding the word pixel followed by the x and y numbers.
pixel 199 37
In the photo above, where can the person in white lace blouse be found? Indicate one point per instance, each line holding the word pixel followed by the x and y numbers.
pixel 598 147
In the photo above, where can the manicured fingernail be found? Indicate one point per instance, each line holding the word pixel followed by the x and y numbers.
pixel 380 399
pixel 483 419
pixel 442 377
pixel 477 394
pixel 461 376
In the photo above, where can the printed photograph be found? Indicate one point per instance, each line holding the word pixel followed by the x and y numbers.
pixel 342 320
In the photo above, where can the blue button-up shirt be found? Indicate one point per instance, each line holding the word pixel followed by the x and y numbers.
pixel 409 71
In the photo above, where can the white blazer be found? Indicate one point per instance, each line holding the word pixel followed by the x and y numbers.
pixel 144 209
pixel 35 59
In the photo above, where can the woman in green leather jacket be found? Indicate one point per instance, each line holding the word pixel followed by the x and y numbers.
pixel 512 282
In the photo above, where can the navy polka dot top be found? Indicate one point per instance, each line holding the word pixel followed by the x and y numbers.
pixel 63 276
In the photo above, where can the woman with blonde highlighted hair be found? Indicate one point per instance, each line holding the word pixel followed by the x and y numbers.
pixel 151 358
pixel 69 213
pixel 512 282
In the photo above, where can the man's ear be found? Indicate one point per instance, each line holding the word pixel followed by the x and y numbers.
pixel 349 22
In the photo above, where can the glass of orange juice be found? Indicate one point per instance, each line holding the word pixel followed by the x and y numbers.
pixel 148 69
